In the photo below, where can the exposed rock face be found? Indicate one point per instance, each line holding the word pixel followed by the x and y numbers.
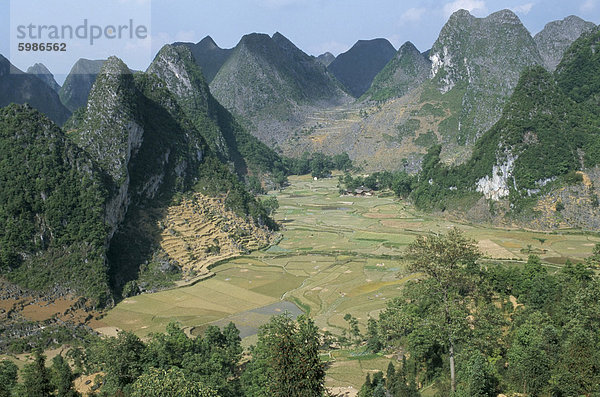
pixel 405 72
pixel 357 67
pixel 111 134
pixel 124 131
pixel 326 59
pixel 19 87
pixel 41 72
pixel 208 55
pixel 557 36
pixel 175 66
pixel 484 58
pixel 496 186
pixel 76 88
pixel 271 84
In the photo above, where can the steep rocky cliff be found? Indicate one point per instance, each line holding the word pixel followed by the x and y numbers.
pixel 124 131
pixel 481 59
pixel 557 36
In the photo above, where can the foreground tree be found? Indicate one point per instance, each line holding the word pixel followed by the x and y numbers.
pixel 285 361
pixel 445 260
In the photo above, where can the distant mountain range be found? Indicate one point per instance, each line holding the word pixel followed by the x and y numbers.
pixel 357 67
pixel 475 65
pixel 208 55
pixel 40 71
pixel 272 85
pixel 19 87
pixel 407 70
pixel 76 88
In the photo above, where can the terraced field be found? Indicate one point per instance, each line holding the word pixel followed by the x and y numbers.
pixel 336 255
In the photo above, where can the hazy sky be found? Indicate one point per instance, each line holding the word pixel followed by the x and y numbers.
pixel 315 26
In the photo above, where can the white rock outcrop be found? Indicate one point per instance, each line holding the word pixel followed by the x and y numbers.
pixel 495 186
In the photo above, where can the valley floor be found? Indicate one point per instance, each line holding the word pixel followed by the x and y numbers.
pixel 337 255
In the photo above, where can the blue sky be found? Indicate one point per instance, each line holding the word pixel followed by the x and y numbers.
pixel 315 26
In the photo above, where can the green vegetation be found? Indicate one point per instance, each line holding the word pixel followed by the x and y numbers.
pixel 408 128
pixel 427 139
pixel 52 230
pixel 462 310
pixel 285 361
pixel 317 164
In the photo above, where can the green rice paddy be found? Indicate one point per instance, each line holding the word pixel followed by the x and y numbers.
pixel 337 255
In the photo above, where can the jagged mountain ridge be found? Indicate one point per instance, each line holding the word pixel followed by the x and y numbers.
pixel 19 87
pixel 76 88
pixel 357 67
pixel 208 55
pixel 226 138
pixel 476 63
pixel 557 37
pixel 405 72
pixel 41 72
pixel 271 84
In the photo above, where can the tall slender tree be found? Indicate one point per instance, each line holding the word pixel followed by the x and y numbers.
pixel 445 259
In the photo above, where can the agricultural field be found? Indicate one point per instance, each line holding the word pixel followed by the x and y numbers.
pixel 336 255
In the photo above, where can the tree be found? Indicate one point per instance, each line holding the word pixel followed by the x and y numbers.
pixel 532 354
pixel 593 260
pixel 444 259
pixel 342 162
pixel 478 379
pixel 270 204
pixel 169 383
pixel 8 377
pixel 121 358
pixel 62 377
pixel 36 378
pixel 353 330
pixel 285 361
pixel 373 340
